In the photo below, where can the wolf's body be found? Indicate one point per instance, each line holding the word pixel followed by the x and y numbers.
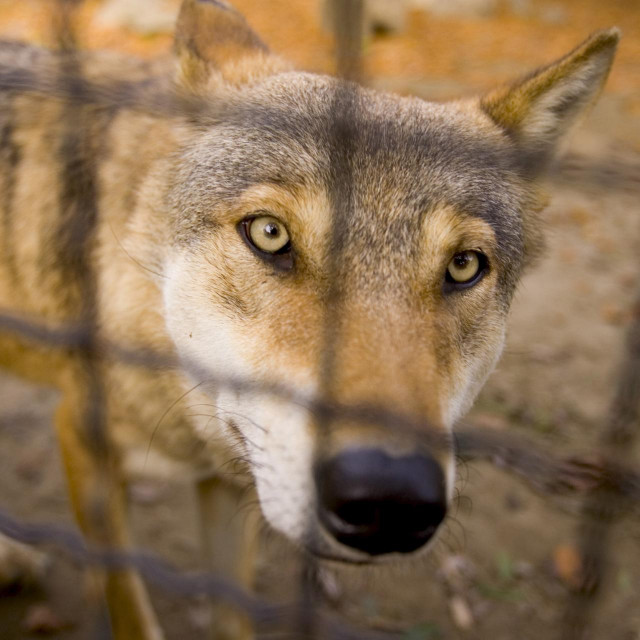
pixel 36 258
pixel 412 188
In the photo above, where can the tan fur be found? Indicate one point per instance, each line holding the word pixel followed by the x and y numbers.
pixel 526 109
pixel 174 277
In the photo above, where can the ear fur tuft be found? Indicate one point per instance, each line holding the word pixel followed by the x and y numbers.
pixel 540 109
pixel 214 43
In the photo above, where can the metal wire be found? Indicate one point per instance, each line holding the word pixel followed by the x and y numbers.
pixel 604 505
pixel 609 484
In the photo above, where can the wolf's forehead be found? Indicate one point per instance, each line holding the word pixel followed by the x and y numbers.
pixel 378 156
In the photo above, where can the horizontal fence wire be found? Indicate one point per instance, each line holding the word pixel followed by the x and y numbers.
pixel 614 171
pixel 181 583
pixel 607 481
pixel 542 470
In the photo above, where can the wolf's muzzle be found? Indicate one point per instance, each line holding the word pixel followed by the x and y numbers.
pixel 376 503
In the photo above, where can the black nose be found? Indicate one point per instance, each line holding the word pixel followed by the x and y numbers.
pixel 379 504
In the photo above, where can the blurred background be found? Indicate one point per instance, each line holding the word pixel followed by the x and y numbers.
pixel 509 559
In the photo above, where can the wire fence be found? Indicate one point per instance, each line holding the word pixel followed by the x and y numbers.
pixel 607 482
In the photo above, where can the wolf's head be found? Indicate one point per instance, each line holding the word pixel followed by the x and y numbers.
pixel 357 248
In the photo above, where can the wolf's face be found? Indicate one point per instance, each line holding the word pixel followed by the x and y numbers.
pixel 362 249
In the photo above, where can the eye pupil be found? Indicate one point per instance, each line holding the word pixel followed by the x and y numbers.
pixel 271 230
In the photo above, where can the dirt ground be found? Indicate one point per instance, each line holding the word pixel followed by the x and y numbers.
pixel 504 567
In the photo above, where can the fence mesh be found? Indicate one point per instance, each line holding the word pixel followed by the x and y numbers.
pixel 606 481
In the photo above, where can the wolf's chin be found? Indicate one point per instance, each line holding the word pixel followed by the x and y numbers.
pixel 318 547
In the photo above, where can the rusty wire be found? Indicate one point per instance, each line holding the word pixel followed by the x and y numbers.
pixel 608 482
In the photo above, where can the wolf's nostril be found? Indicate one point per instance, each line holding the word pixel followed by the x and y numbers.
pixel 360 513
pixel 379 504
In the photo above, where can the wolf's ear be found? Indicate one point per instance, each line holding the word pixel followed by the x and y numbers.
pixel 540 109
pixel 214 44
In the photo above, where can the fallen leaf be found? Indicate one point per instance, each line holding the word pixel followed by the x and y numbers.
pixel 567 565
pixel 460 613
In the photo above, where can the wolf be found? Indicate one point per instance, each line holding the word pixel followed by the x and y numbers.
pixel 330 269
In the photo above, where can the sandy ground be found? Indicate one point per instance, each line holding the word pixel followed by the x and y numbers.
pixel 497 567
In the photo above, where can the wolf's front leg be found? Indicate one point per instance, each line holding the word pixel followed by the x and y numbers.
pixel 97 495
pixel 230 543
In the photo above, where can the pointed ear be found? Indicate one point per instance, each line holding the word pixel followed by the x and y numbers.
pixel 540 109
pixel 214 44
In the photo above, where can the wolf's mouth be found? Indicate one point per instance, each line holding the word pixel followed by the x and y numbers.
pixel 324 556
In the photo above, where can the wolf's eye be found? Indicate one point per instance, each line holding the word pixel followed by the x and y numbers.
pixel 269 239
pixel 466 268
pixel 268 234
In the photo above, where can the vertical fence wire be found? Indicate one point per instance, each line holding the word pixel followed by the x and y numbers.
pixel 603 507
pixel 75 242
pixel 346 18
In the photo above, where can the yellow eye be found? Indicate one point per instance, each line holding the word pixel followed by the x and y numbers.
pixel 268 234
pixel 465 267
